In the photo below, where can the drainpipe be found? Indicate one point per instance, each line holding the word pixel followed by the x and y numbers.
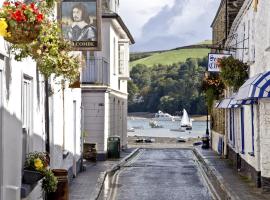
pixel 47 123
pixel 63 98
pixel 226 19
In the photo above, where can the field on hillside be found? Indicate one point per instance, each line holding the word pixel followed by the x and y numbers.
pixel 170 57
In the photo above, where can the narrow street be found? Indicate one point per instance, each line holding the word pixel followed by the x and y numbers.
pixel 158 174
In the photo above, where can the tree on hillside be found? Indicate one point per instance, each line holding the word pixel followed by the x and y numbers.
pixel 169 88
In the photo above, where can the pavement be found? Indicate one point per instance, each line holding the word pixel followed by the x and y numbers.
pixel 225 182
pixel 88 184
pixel 160 174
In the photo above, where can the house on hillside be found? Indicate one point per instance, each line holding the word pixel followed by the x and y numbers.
pixel 248 124
pixel 104 83
pixel 221 25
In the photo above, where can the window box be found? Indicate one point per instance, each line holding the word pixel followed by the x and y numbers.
pixel 31 177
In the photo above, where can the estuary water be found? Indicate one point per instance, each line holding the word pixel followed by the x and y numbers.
pixel 142 128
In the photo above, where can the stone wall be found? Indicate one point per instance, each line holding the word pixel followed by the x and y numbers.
pixel 225 16
pixel 218 120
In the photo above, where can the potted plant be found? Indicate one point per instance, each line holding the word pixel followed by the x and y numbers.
pixel 213 87
pixel 233 72
pixel 36 167
pixel 20 22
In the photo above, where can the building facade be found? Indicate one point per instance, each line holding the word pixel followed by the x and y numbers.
pixel 104 83
pixel 247 124
pixel 221 26
pixel 35 115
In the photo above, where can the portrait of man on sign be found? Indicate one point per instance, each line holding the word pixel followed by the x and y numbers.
pixel 79 23
pixel 81 29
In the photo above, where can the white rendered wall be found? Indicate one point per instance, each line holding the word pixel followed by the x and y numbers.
pixel 63 127
pixel 265 137
pixel 11 143
pixel 245 32
pixel 94 114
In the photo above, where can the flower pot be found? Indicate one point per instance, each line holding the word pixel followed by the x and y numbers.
pixel 23 32
pixel 31 177
pixel 62 192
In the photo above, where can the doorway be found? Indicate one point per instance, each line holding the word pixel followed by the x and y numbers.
pixel 74 138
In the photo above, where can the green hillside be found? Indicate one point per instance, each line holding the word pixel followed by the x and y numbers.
pixel 172 56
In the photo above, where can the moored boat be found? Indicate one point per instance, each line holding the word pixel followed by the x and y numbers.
pixel 186 121
pixel 160 116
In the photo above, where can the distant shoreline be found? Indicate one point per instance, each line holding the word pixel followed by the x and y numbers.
pixel 161 142
pixel 138 115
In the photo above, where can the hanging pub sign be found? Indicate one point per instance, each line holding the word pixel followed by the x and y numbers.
pixel 213 61
pixel 81 23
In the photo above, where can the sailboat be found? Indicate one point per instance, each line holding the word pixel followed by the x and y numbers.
pixel 186 121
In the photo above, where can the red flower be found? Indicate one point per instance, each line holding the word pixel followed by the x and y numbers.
pixel 39 17
pixel 24 7
pixel 32 5
pixel 6 3
pixel 18 16
pixel 17 3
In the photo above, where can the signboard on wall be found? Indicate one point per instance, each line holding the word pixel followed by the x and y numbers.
pixel 213 61
pixel 81 23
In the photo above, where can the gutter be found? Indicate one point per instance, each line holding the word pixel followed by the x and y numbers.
pixel 121 23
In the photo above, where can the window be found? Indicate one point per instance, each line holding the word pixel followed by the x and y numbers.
pixel 252 129
pixel 242 131
pixel 233 129
pixel 121 58
pixel 114 56
pixel 27 110
pixel 231 136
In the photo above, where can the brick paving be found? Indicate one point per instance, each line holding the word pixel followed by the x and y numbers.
pixel 237 186
pixel 84 186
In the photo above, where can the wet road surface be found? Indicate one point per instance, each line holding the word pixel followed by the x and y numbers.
pixel 159 174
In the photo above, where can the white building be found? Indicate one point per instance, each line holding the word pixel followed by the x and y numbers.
pixel 248 124
pixel 27 125
pixel 104 83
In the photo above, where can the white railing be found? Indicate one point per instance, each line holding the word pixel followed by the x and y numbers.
pixel 97 71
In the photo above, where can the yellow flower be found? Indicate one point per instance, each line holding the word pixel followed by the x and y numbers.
pixel 38 164
pixel 39 52
pixel 3 28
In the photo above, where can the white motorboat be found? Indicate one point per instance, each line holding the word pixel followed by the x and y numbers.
pixel 177 118
pixel 161 116
pixel 131 129
pixel 186 121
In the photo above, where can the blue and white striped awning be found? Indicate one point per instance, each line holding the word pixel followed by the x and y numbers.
pixel 255 87
pixel 233 104
pixel 246 102
pixel 217 103
pixel 224 103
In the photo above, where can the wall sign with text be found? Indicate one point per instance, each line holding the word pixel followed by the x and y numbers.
pixel 81 23
pixel 213 61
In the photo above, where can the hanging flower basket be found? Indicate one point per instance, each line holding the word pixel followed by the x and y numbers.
pixel 23 33
pixel 233 72
pixel 20 23
pixel 213 87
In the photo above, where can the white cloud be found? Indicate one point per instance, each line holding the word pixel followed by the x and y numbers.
pixel 164 24
pixel 137 12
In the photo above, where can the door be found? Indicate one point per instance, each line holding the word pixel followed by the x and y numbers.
pixel 74 138
pixel 27 110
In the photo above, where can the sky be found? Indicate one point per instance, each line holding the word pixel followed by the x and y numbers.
pixel 167 24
